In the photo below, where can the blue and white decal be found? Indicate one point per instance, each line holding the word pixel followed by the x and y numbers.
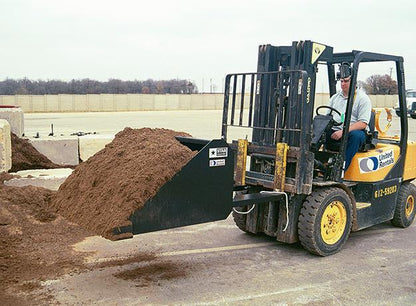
pixel 374 163
pixel 217 162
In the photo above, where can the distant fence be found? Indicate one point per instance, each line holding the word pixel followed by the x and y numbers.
pixel 141 102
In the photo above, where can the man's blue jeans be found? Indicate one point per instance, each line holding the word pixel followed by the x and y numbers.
pixel 355 140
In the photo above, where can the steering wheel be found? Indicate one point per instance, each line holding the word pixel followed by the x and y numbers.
pixel 330 113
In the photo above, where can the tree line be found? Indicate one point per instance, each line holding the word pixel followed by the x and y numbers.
pixel 375 84
pixel 88 86
pixel 380 85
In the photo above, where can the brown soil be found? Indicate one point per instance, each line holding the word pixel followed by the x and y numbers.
pixel 106 189
pixel 35 244
pixel 25 156
pixel 154 272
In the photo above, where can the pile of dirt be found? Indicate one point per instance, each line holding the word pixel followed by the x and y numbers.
pixel 35 243
pixel 25 156
pixel 105 190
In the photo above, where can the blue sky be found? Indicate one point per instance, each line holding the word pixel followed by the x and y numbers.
pixel 197 40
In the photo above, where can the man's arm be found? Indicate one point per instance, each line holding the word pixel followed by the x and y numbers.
pixel 355 126
pixel 365 115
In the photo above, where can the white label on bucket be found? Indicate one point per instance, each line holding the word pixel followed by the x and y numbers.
pixel 217 162
pixel 218 152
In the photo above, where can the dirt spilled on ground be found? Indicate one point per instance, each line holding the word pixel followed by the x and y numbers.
pixel 154 272
pixel 146 268
pixel 106 189
pixel 25 156
pixel 35 244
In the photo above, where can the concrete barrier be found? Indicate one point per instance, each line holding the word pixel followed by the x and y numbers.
pixel 69 151
pixel 14 115
pixel 91 144
pixel 142 102
pixel 60 150
pixel 5 146
pixel 46 178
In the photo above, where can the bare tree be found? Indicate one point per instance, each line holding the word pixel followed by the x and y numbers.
pixel 88 86
pixel 380 85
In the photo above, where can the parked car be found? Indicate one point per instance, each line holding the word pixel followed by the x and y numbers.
pixel 411 103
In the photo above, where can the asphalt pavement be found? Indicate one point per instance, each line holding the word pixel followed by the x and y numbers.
pixel 216 263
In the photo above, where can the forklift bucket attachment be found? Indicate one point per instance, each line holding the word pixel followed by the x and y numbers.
pixel 202 191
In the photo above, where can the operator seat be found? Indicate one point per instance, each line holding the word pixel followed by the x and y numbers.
pixel 371 135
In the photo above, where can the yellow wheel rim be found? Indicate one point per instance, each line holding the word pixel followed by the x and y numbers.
pixel 333 223
pixel 410 205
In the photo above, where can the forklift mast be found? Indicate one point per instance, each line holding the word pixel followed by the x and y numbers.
pixel 297 65
pixel 281 104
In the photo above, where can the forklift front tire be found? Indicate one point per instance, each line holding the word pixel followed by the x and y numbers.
pixel 325 221
pixel 240 218
pixel 405 211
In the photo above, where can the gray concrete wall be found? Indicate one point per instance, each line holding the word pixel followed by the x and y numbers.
pixel 5 146
pixel 141 102
pixel 15 117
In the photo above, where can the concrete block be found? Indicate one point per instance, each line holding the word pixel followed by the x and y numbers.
pixel 91 144
pixel 38 104
pixel 147 102
pixel 66 103
pixel 185 102
pixel 14 115
pixel 52 103
pixel 5 146
pixel 60 150
pixel 80 103
pixel 23 101
pixel 121 103
pixel 46 178
pixel 107 102
pixel 94 103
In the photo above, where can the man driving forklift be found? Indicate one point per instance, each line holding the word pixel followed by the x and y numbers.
pixel 360 117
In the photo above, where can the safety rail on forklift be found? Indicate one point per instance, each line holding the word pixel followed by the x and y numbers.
pixel 269 105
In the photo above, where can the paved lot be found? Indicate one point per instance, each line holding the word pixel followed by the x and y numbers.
pixel 200 124
pixel 217 264
pixel 204 124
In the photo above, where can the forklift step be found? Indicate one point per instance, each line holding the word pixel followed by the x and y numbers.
pixel 361 205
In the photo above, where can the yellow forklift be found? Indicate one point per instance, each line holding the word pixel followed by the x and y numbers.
pixel 271 169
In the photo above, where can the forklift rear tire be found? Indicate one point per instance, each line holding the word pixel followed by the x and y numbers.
pixel 325 221
pixel 405 211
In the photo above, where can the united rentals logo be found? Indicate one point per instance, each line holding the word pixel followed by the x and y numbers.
pixel 374 163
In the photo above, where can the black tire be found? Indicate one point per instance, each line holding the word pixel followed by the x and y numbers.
pixel 336 204
pixel 240 219
pixel 405 211
pixel 413 116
